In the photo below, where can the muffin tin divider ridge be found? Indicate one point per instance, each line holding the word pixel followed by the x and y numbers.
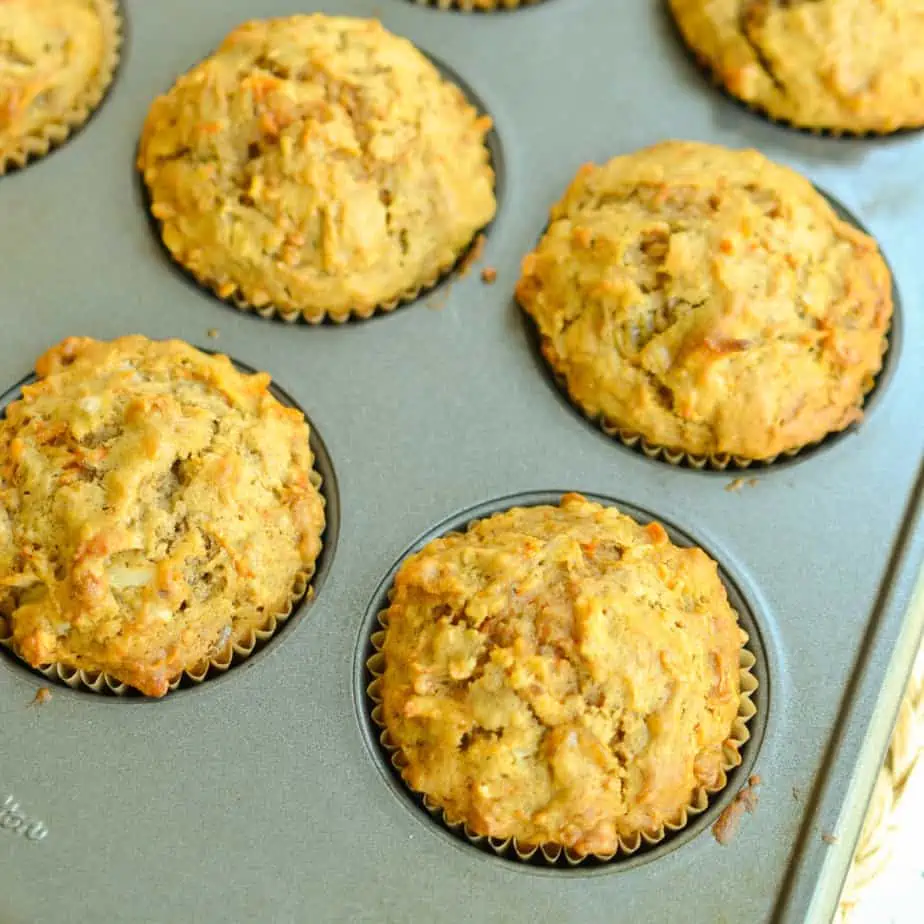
pixel 268 783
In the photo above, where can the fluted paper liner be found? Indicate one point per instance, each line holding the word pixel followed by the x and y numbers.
pixel 271 312
pixel 554 854
pixel 54 133
pixel 718 462
pixel 234 652
pixel 472 6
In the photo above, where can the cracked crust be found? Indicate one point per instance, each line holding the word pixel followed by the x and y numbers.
pixel 842 65
pixel 155 505
pixel 561 675
pixel 319 166
pixel 709 300
pixel 57 59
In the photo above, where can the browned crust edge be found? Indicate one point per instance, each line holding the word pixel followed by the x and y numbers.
pixel 234 652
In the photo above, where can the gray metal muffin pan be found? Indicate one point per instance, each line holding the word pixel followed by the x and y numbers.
pixel 263 797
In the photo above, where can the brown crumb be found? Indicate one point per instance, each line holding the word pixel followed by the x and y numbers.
pixel 439 300
pixel 214 333
pixel 830 838
pixel 739 483
pixel 473 255
pixel 726 827
pixel 489 275
pixel 796 794
pixel 42 696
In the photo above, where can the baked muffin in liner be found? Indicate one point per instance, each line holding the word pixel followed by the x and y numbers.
pixel 746 73
pixel 554 854
pixel 20 147
pixel 681 300
pixel 317 167
pixel 235 647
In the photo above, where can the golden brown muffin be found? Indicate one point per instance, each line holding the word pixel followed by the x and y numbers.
pixel 57 59
pixel 319 166
pixel 563 676
pixel 709 300
pixel 844 65
pixel 156 507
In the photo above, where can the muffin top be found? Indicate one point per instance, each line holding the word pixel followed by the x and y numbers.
pixel 317 165
pixel 56 60
pixel 709 300
pixel 561 675
pixel 156 505
pixel 843 65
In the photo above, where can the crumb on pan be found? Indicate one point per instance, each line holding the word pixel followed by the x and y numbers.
pixel 735 486
pixel 42 696
pixel 829 838
pixel 725 829
pixel 214 333
pixel 489 275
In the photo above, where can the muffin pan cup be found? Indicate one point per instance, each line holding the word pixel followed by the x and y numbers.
pixel 556 854
pixel 720 462
pixel 452 267
pixel 55 133
pixel 427 411
pixel 237 649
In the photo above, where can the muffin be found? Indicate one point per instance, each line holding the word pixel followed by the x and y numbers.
pixel 158 508
pixel 57 59
pixel 563 677
pixel 317 166
pixel 708 300
pixel 817 65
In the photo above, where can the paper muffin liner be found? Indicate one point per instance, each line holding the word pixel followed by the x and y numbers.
pixel 717 462
pixel 233 653
pixel 54 133
pixel 472 6
pixel 709 72
pixel 555 854
pixel 271 312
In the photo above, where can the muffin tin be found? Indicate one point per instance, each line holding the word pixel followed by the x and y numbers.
pixel 264 796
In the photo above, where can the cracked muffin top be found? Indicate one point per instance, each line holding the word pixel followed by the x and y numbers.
pixel 843 65
pixel 317 165
pixel 156 506
pixel 709 300
pixel 562 676
pixel 57 58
